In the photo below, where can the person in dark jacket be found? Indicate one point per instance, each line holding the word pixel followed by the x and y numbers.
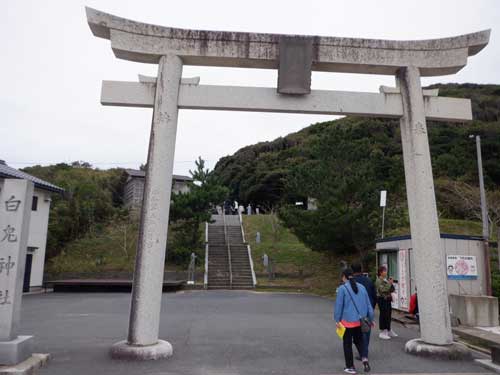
pixel 372 294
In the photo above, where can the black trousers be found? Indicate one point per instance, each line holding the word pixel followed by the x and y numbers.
pixel 385 313
pixel 350 335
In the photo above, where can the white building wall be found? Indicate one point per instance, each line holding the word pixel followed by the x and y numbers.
pixel 38 236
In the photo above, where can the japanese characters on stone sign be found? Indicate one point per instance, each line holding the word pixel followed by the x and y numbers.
pixel 12 204
pixel 8 236
pixel 4 297
pixel 461 267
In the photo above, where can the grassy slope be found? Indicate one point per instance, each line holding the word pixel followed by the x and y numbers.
pixel 296 264
pixel 98 255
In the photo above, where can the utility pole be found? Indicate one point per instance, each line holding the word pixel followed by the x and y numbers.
pixel 498 246
pixel 484 216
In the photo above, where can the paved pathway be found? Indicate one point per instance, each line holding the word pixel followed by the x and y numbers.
pixel 214 332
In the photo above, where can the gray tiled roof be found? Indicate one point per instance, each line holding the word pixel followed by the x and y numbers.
pixel 142 174
pixel 9 172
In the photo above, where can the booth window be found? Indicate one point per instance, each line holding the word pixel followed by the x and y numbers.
pixel 392 265
pixel 390 259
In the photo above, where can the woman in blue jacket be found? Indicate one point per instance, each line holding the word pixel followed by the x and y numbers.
pixel 352 304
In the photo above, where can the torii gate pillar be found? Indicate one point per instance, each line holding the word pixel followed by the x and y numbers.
pixel 426 240
pixel 142 342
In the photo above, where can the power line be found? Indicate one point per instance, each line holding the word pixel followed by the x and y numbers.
pixel 92 163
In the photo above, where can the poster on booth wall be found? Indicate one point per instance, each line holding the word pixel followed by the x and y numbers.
pixel 461 267
pixel 395 297
pixel 403 280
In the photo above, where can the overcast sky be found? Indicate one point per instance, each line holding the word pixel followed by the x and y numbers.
pixel 52 67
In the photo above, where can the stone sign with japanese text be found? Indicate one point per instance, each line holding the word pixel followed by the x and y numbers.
pixel 15 211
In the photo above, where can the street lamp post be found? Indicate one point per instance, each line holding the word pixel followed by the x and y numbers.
pixel 484 215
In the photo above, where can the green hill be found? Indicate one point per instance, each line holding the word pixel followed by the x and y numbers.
pixel 362 156
pixel 259 173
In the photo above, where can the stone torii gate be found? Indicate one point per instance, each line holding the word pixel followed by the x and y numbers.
pixel 294 57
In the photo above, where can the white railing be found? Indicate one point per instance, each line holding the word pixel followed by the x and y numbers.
pixel 254 279
pixel 228 251
pixel 249 250
pixel 205 279
pixel 241 225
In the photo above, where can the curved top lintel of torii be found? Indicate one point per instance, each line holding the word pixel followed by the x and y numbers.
pixel 141 42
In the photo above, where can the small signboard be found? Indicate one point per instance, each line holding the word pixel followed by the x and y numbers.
pixel 461 267
pixel 383 198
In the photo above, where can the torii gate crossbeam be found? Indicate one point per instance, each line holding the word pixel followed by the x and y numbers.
pixel 295 57
pixel 387 104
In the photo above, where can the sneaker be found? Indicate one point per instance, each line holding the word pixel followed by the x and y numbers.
pixel 350 370
pixel 366 366
pixel 391 333
pixel 384 336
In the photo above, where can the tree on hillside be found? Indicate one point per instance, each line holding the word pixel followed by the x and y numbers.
pixel 464 201
pixel 345 174
pixel 189 210
pixel 92 198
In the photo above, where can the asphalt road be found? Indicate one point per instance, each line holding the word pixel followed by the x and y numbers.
pixel 212 332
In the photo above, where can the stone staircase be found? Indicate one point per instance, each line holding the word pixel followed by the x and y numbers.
pixel 219 272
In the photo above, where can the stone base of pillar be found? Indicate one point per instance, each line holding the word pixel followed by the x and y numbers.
pixel 454 351
pixel 489 365
pixel 122 350
pixel 15 351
